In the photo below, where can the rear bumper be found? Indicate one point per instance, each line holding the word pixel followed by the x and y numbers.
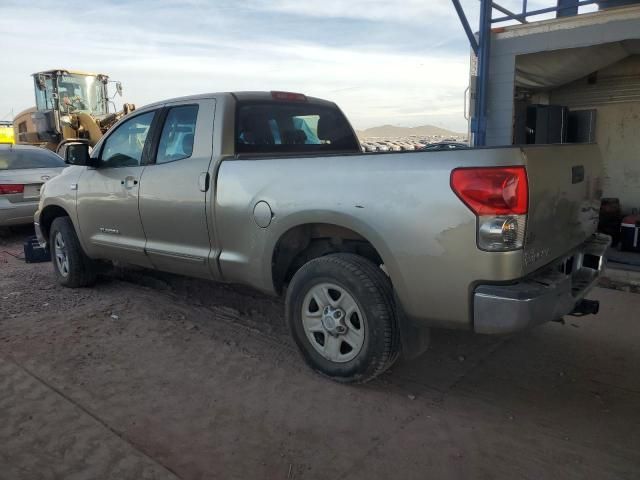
pixel 547 295
pixel 17 213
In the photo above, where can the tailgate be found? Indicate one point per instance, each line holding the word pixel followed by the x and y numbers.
pixel 565 187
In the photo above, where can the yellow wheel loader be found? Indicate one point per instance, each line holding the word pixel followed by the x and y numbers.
pixel 6 132
pixel 71 107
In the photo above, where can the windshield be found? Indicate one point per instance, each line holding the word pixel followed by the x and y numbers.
pixel 82 93
pixel 14 159
pixel 77 93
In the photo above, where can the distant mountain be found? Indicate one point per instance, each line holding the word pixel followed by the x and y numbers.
pixel 391 131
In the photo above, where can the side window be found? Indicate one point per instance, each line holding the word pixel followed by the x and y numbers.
pixel 44 96
pixel 176 141
pixel 124 147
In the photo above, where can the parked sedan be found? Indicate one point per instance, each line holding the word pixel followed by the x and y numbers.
pixel 446 146
pixel 23 171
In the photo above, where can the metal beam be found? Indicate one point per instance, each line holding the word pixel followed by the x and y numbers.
pixel 465 25
pixel 533 13
pixel 514 16
pixel 479 121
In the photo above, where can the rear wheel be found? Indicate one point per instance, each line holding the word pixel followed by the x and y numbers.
pixel 71 265
pixel 341 314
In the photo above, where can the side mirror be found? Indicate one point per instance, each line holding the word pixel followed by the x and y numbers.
pixel 77 154
pixel 119 88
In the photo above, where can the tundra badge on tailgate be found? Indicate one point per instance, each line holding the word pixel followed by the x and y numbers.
pixel 533 255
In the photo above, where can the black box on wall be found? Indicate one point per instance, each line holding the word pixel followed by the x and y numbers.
pixel 546 124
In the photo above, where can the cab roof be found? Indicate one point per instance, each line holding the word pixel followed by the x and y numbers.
pixel 243 97
pixel 73 72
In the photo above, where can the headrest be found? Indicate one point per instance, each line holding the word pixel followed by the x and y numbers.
pixel 258 130
pixel 187 144
pixel 326 127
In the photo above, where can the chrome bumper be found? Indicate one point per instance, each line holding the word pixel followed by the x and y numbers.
pixel 547 295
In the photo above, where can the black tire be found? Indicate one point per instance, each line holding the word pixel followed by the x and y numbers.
pixel 80 270
pixel 371 289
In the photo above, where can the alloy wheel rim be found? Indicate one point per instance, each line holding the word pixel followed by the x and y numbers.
pixel 333 322
pixel 62 257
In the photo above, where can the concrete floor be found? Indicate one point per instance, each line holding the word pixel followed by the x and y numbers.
pixel 149 377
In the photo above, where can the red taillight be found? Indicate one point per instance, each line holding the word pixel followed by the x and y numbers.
pixel 492 190
pixel 10 189
pixel 289 96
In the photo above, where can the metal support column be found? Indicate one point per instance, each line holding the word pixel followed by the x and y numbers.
pixel 567 8
pixel 479 120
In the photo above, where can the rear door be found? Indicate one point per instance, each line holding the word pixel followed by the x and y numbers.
pixel 565 187
pixel 176 189
pixel 107 203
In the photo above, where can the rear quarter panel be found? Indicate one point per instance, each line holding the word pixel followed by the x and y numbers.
pixel 401 202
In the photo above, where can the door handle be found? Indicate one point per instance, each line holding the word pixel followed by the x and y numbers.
pixel 466 114
pixel 203 181
pixel 129 182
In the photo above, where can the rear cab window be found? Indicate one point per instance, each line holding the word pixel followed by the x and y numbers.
pixel 292 127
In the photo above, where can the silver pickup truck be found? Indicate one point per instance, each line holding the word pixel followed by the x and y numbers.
pixel 370 250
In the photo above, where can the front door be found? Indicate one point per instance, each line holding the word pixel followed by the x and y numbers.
pixel 176 187
pixel 108 195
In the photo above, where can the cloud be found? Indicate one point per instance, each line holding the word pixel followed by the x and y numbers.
pixel 407 11
pixel 380 61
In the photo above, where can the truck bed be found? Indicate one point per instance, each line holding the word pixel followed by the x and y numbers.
pixel 404 205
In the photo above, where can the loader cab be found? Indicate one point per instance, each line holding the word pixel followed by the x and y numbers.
pixel 69 104
pixel 71 92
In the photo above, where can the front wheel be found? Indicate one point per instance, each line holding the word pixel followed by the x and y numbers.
pixel 341 314
pixel 71 265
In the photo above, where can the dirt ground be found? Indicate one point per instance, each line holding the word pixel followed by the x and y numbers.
pixel 151 376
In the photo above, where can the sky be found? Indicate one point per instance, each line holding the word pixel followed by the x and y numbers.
pixel 403 62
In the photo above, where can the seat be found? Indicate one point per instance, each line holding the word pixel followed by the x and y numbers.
pixel 294 137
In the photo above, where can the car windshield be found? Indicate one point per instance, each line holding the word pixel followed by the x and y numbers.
pixel 19 159
pixel 300 127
